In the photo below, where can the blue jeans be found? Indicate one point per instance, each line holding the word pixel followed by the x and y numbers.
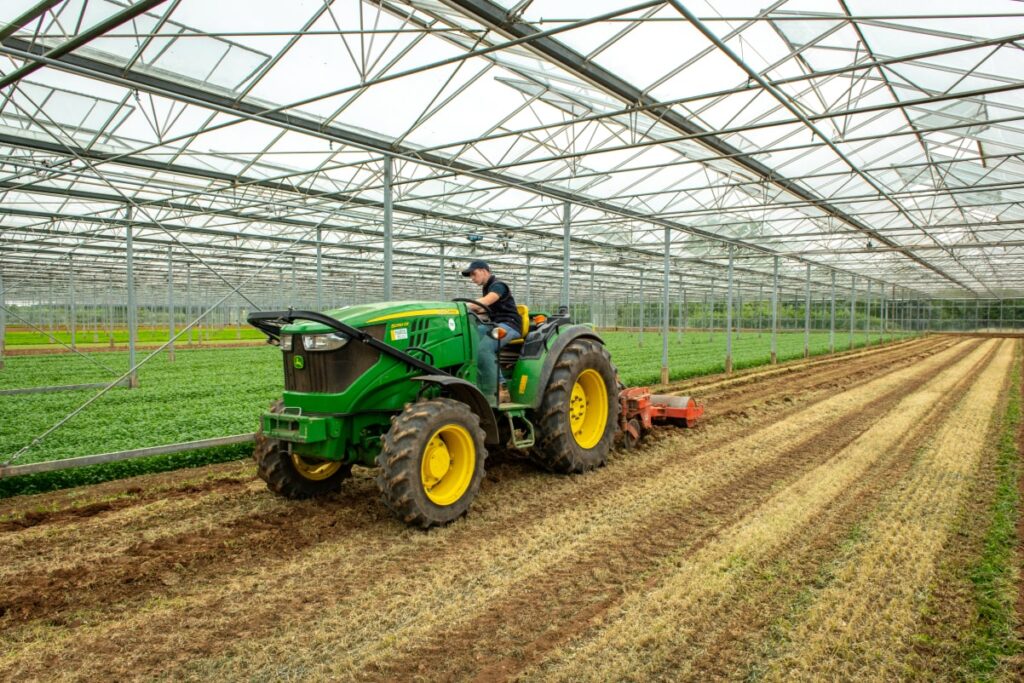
pixel 487 359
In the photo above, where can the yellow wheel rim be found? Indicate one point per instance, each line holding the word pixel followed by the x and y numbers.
pixel 314 470
pixel 588 408
pixel 449 460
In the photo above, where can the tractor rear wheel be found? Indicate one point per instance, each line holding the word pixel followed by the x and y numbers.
pixel 432 462
pixel 292 475
pixel 579 412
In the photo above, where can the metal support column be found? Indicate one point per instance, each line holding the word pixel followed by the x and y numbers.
pixel 593 321
pixel 133 331
pixel 170 305
pixel 867 318
pixel 640 342
pixel 853 306
pixel 728 316
pixel 281 303
pixel 3 320
pixel 807 313
pixel 709 309
pixel 95 317
pixel 566 209
pixel 775 310
pixel 319 269
pixel 881 313
pixel 52 306
pixel 832 318
pixel 684 312
pixel 388 225
pixel 441 278
pixel 526 299
pixel 188 302
pixel 71 297
pixel 110 316
pixel 760 308
pixel 664 308
pixel 294 301
pixel 892 314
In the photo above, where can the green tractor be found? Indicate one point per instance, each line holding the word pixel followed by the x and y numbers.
pixel 394 386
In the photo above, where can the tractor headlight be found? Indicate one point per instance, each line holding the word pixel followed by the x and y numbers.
pixel 323 342
pixel 286 342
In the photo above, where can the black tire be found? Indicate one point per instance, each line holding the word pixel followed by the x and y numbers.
pixel 556 448
pixel 402 481
pixel 277 467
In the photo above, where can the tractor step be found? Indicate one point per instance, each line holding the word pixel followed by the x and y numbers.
pixel 521 431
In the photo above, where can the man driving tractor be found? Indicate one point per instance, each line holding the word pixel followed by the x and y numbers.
pixel 506 324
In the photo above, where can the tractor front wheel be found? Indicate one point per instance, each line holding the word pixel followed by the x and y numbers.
pixel 432 462
pixel 292 475
pixel 579 412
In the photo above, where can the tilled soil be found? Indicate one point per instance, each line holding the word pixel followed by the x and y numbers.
pixel 700 555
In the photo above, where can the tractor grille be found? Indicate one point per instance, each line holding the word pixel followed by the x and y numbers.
pixel 419 332
pixel 329 372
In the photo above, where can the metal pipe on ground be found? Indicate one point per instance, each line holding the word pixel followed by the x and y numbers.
pixel 87 460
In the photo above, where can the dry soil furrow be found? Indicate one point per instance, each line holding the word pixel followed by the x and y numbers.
pixel 25 512
pixel 754 375
pixel 731 642
pixel 535 617
pixel 806 379
pixel 408 554
pixel 652 625
pixel 861 626
pixel 124 550
pixel 482 580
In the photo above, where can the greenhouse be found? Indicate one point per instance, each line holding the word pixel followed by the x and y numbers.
pixel 800 221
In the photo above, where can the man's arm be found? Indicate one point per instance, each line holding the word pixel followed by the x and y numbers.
pixel 486 300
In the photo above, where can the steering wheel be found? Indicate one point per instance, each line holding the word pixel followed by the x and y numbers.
pixel 487 309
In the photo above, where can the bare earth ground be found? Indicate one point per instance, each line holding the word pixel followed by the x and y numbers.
pixel 794 534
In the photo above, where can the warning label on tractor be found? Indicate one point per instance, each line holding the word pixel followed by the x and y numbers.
pixel 399 333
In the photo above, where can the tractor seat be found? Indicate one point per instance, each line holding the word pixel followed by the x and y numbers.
pixel 524 313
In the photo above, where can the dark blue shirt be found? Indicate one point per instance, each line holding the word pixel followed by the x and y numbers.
pixel 504 309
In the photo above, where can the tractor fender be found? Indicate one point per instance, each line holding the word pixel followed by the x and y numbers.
pixel 466 392
pixel 568 335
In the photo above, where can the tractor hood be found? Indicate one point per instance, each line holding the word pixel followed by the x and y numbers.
pixel 365 315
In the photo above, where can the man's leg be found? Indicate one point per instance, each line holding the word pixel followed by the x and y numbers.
pixel 510 335
pixel 487 364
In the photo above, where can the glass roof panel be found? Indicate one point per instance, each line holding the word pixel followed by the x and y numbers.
pixel 495 144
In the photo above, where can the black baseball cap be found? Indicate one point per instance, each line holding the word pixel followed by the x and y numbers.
pixel 473 266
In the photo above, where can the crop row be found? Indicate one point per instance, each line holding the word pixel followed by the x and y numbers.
pixel 146 335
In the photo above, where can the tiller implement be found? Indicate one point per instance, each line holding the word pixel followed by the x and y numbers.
pixel 640 410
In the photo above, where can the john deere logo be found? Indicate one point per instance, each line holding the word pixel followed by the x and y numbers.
pixel 299 362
